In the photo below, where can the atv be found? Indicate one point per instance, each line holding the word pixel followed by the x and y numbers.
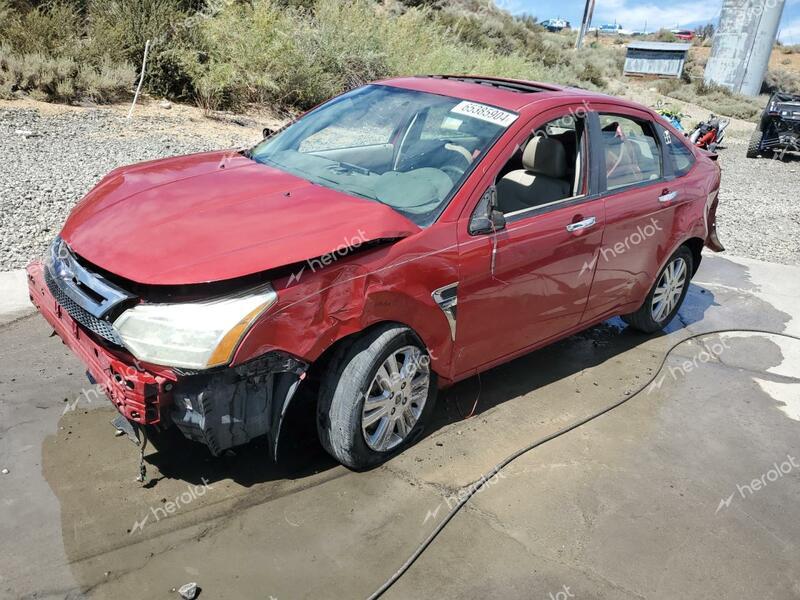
pixel 779 128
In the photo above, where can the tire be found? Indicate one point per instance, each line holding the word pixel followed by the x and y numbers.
pixel 647 319
pixel 354 375
pixel 754 148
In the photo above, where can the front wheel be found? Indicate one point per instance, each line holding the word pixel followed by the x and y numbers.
pixel 754 148
pixel 666 296
pixel 377 397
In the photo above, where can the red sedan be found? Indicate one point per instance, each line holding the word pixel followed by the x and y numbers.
pixel 398 238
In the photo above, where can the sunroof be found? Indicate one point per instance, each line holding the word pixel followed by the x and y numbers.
pixel 502 84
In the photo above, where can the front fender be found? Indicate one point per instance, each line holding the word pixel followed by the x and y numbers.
pixel 390 284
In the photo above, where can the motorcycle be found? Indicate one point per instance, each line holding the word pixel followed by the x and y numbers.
pixel 709 134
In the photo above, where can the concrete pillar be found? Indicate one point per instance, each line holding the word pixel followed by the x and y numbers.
pixel 743 44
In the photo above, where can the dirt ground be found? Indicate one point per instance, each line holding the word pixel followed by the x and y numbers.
pixel 778 60
pixel 642 503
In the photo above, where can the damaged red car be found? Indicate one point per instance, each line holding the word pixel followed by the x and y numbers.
pixel 397 239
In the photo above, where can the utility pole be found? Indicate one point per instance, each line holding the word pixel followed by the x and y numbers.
pixel 587 19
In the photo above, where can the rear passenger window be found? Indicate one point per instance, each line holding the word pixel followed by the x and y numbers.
pixel 631 150
pixel 682 157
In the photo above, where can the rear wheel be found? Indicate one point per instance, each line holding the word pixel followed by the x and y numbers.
pixel 666 296
pixel 377 398
pixel 754 148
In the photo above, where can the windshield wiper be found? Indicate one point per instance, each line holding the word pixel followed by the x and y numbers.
pixel 349 168
pixel 315 177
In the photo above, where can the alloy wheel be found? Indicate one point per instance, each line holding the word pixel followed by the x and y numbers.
pixel 395 399
pixel 669 290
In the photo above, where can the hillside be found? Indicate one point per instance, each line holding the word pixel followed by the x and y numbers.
pixel 289 55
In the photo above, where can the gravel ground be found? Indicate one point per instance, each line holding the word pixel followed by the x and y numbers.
pixel 759 212
pixel 43 176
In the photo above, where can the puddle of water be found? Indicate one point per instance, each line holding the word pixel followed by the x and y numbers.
pixel 786 394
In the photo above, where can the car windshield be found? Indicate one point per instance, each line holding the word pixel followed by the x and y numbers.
pixel 409 150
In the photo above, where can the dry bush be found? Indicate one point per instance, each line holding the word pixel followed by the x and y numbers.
pixel 289 53
pixel 44 53
pixel 666 87
pixel 716 99
pixel 664 35
pixel 780 80
pixel 53 28
pixel 296 58
pixel 62 78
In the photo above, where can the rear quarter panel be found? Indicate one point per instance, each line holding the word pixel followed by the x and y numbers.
pixel 682 221
pixel 691 217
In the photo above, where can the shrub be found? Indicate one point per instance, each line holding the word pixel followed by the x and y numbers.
pixel 249 54
pixel 107 82
pixel 715 98
pixel 119 29
pixel 296 59
pixel 61 78
pixel 53 28
pixel 668 86
pixel 6 89
pixel 665 36
pixel 40 52
pixel 289 53
pixel 780 80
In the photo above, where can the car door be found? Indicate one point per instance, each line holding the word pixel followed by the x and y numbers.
pixel 529 282
pixel 640 196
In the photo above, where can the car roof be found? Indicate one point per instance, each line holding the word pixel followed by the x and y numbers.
pixel 510 94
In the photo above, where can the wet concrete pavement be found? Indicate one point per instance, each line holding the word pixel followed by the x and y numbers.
pixel 689 490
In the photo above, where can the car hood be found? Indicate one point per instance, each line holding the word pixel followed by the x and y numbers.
pixel 216 216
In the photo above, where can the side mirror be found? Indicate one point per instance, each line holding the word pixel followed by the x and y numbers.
pixel 486 218
pixel 266 132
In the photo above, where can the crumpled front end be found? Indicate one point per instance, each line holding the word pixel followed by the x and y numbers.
pixel 232 406
pixel 221 407
pixel 141 394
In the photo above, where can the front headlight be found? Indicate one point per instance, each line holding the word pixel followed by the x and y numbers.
pixel 192 335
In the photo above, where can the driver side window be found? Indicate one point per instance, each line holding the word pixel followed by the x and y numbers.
pixel 548 168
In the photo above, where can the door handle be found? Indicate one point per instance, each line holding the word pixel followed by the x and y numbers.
pixel 585 224
pixel 668 197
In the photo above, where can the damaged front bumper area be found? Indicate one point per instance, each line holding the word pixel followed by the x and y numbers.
pixel 231 406
pixel 221 407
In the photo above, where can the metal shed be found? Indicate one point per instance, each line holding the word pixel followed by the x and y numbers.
pixel 656 59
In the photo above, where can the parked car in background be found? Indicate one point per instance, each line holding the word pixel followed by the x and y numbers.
pixel 555 25
pixel 397 239
pixel 683 34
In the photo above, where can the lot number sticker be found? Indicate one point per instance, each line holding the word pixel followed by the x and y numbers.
pixel 485 113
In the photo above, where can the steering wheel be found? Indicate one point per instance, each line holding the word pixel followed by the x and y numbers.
pixel 456 173
pixel 460 150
